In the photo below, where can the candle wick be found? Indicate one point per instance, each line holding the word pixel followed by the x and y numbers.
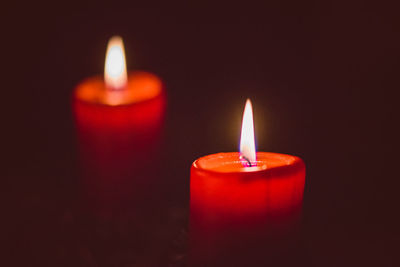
pixel 248 161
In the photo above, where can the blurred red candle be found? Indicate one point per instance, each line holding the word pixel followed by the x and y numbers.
pixel 244 207
pixel 119 120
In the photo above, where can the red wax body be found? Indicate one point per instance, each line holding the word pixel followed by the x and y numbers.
pixel 119 134
pixel 244 215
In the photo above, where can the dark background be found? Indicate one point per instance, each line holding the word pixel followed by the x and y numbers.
pixel 323 78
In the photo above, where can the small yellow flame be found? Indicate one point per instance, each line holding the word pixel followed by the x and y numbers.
pixel 247 143
pixel 115 74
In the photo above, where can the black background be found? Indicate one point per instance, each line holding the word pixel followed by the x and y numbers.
pixel 323 78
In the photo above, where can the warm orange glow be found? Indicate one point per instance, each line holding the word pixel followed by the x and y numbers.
pixel 115 74
pixel 247 143
pixel 141 86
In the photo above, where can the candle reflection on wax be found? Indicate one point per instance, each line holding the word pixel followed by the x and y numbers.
pixel 119 121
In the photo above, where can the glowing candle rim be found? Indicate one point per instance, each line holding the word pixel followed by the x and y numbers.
pixel 93 90
pixel 293 164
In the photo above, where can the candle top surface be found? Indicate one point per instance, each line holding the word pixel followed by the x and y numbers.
pixel 231 163
pixel 141 86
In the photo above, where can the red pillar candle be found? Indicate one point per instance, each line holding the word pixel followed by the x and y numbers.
pixel 119 120
pixel 244 207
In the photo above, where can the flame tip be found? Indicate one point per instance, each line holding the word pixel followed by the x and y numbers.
pixel 115 38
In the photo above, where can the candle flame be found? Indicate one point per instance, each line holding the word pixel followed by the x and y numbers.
pixel 247 143
pixel 115 74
